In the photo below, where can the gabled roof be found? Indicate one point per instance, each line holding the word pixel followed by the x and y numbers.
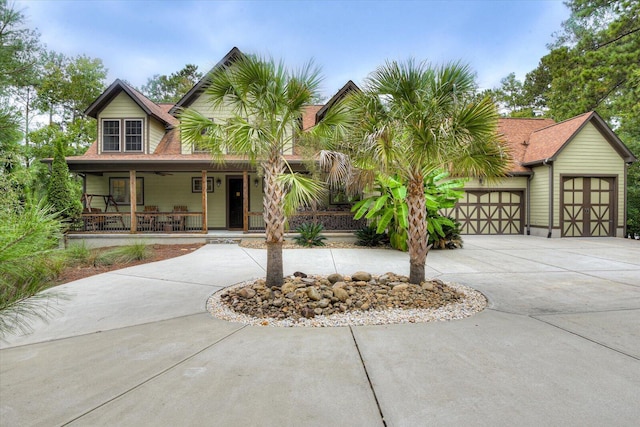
pixel 516 133
pixel 348 87
pixel 548 142
pixel 199 87
pixel 147 105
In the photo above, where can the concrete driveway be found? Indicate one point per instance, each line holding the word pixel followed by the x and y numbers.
pixel 559 344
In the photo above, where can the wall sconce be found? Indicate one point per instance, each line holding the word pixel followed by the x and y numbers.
pixel 480 180
pixel 256 182
pixel 218 182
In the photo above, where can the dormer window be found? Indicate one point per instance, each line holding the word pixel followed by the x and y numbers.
pixel 133 135
pixel 112 135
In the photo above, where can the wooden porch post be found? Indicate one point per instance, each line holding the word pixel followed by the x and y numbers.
pixel 245 201
pixel 204 202
pixel 133 197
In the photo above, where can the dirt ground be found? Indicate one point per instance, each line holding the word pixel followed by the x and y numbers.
pixel 159 253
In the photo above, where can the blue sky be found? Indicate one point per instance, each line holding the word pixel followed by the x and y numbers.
pixel 347 39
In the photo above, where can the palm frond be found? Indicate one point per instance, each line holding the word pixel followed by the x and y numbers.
pixel 301 190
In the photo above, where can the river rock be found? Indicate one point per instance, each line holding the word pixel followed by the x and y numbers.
pixel 341 294
pixel 247 293
pixel 288 288
pixel 428 286
pixel 335 277
pixel 361 276
pixel 313 293
pixel 399 288
pixel 307 312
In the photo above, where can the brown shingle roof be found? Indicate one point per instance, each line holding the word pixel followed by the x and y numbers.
pixel 170 143
pixel 545 143
pixel 150 107
pixel 516 133
pixel 156 110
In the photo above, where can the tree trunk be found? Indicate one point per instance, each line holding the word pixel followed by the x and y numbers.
pixel 274 264
pixel 418 237
pixel 273 215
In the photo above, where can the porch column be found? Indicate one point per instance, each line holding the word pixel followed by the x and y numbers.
pixel 204 202
pixel 245 201
pixel 133 197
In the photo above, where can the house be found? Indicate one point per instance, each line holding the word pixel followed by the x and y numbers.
pixel 567 179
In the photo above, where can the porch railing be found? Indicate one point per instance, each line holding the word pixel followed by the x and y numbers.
pixel 330 220
pixel 147 222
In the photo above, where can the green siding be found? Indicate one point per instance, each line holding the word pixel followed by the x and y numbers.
pixel 156 132
pixel 203 106
pixel 513 182
pixel 539 197
pixel 175 189
pixel 122 107
pixel 589 154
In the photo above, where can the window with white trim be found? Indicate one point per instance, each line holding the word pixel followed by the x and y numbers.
pixel 133 135
pixel 112 135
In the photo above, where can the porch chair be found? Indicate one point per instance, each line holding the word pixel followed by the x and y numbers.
pixel 148 222
pixel 94 222
pixel 179 221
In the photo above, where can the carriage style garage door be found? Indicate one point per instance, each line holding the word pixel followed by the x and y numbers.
pixel 587 206
pixel 490 212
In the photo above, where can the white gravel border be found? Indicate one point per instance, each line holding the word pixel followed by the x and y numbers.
pixel 472 303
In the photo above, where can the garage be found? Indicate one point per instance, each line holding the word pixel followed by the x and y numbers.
pixel 587 206
pixel 490 212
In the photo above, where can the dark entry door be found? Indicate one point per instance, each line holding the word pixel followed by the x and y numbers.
pixel 234 202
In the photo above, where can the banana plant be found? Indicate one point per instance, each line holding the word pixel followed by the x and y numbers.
pixel 389 211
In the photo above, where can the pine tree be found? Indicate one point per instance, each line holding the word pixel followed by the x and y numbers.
pixel 60 193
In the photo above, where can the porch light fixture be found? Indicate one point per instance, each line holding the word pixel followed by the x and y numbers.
pixel 256 182
pixel 218 182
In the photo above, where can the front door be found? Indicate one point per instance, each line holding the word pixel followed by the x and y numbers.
pixel 234 203
pixel 587 206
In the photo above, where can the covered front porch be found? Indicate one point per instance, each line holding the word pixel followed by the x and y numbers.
pixel 98 240
pixel 178 202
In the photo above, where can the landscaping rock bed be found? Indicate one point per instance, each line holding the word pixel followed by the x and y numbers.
pixel 336 300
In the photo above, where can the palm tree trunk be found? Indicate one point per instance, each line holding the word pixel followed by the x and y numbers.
pixel 274 219
pixel 417 232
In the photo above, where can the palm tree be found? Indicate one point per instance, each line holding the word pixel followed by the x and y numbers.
pixel 266 102
pixel 411 119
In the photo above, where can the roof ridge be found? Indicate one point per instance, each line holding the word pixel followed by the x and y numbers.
pixel 526 118
pixel 562 122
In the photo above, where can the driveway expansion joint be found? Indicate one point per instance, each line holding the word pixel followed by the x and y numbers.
pixel 116 273
pixel 151 378
pixel 585 338
pixel 364 366
pixel 253 259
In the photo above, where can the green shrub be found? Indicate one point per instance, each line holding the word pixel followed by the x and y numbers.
pixel 60 193
pixel 29 236
pixel 79 254
pixel 310 235
pixel 369 236
pixel 450 237
pixel 388 206
pixel 124 254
